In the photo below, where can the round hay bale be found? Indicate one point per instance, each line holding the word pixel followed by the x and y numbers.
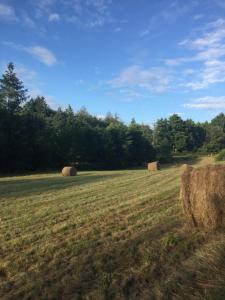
pixel 203 196
pixel 69 171
pixel 153 166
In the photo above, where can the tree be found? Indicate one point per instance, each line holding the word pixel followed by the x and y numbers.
pixel 39 134
pixel 162 139
pixel 178 133
pixel 12 91
pixel 38 106
pixel 12 95
pixel 140 149
pixel 196 135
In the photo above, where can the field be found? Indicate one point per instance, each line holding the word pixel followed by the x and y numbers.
pixel 104 235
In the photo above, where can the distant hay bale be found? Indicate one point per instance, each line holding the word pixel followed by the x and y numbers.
pixel 153 166
pixel 69 171
pixel 203 196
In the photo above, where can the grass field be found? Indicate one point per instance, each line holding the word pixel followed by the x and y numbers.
pixel 104 235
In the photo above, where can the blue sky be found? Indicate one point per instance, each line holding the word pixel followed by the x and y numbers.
pixel 144 59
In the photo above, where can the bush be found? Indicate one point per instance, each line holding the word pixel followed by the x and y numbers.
pixel 220 156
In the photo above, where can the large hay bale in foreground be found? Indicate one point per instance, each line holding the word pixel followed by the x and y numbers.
pixel 203 196
pixel 69 171
pixel 153 166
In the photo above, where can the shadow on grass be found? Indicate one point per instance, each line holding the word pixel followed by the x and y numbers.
pixel 186 159
pixel 137 267
pixel 28 187
pixel 100 269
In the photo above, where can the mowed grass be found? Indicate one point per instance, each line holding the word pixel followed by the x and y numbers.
pixel 104 235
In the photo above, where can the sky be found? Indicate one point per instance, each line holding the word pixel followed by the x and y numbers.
pixel 144 59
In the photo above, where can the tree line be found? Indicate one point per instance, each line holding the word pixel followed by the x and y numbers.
pixel 33 136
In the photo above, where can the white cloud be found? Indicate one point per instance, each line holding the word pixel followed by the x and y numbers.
pixel 43 54
pixel 54 17
pixel 212 73
pixel 128 94
pixel 25 74
pixel 209 39
pixel 208 53
pixel 29 22
pixel 87 13
pixel 188 72
pixel 46 2
pixel 144 32
pixel 220 3
pixel 51 101
pixel 208 102
pixel 152 79
pixel 117 29
pixel 210 46
pixel 175 10
pixel 169 12
pixel 7 13
pixel 198 17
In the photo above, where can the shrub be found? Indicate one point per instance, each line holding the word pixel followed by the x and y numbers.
pixel 220 156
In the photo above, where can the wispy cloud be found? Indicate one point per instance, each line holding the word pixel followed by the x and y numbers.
pixel 212 36
pixel 208 102
pixel 208 50
pixel 117 29
pixel 88 13
pixel 169 13
pixel 220 3
pixel 213 72
pixel 198 17
pixel 7 13
pixel 150 79
pixel 28 21
pixel 54 17
pixel 43 54
pixel 32 82
pixel 26 74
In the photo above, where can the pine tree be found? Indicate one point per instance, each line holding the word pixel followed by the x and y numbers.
pixel 12 143
pixel 12 91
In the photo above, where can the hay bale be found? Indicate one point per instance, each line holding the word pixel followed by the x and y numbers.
pixel 153 166
pixel 69 171
pixel 203 196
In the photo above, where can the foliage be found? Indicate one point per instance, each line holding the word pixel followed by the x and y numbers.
pixel 33 136
pixel 220 156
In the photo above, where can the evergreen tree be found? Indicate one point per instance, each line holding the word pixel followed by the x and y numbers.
pixel 162 139
pixel 12 91
pixel 12 95
pixel 178 133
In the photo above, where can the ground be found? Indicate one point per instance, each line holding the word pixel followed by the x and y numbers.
pixel 104 235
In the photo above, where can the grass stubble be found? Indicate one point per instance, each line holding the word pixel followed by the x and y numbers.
pixel 104 235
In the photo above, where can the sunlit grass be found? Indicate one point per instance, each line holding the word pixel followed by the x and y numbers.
pixel 104 235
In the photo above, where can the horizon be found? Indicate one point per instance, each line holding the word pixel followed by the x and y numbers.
pixel 144 61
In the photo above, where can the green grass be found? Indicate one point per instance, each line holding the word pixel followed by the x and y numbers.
pixel 104 235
